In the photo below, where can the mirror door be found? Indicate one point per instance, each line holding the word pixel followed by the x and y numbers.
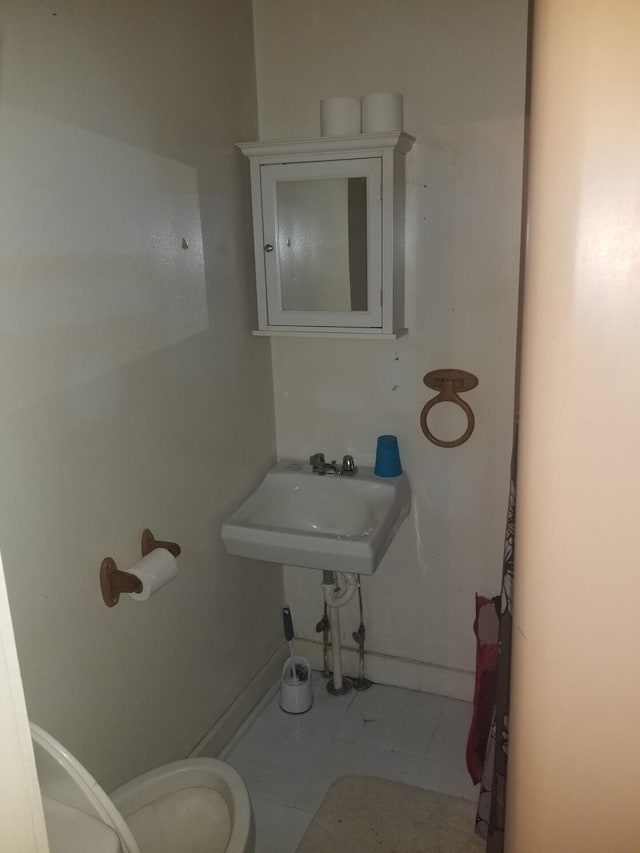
pixel 322 230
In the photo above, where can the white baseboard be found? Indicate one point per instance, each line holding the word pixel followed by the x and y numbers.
pixel 228 729
pixel 398 672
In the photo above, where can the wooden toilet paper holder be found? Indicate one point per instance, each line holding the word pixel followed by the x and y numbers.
pixel 114 582
pixel 149 543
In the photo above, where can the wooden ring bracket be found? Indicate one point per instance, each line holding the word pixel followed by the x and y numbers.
pixel 449 382
pixel 113 582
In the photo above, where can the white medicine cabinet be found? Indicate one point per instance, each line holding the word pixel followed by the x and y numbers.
pixel 328 224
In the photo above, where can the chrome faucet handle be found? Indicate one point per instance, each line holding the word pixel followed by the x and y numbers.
pixel 348 465
pixel 316 460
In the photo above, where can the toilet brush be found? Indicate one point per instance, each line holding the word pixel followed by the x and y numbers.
pixel 296 695
pixel 288 635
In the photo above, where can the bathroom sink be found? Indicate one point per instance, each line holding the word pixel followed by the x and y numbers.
pixel 338 523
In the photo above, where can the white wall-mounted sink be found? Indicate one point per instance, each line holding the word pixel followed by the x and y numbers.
pixel 339 523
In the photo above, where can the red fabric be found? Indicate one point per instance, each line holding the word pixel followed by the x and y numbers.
pixel 485 627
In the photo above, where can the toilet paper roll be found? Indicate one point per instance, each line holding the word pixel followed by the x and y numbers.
pixel 340 117
pixel 382 112
pixel 155 571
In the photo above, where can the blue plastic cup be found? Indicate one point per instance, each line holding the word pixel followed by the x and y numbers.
pixel 387 457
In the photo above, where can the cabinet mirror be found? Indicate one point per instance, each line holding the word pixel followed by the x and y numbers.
pixel 321 242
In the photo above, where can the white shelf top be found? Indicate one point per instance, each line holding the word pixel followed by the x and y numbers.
pixel 398 140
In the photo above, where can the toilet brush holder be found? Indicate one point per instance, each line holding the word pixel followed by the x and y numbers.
pixel 296 695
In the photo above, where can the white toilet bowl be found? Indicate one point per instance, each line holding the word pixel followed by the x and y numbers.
pixel 200 805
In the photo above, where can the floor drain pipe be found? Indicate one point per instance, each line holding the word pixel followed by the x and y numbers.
pixel 361 683
pixel 336 595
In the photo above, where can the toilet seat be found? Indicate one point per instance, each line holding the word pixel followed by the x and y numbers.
pixel 73 799
pixel 64 780
pixel 196 774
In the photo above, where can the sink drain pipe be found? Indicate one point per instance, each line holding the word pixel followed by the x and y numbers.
pixel 339 588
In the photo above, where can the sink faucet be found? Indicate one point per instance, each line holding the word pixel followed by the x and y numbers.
pixel 348 465
pixel 317 462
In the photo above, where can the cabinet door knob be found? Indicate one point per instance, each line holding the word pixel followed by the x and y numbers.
pixel 268 248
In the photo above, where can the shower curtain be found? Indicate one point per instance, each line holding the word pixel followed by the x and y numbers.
pixel 491 802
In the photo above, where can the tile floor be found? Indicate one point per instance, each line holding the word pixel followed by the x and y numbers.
pixel 288 762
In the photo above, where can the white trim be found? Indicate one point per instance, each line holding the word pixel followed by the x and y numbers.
pixel 258 244
pixel 365 334
pixel 243 709
pixel 398 672
pixel 22 826
pixel 250 720
pixel 365 142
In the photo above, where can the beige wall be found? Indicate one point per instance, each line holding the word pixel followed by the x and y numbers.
pixel 132 393
pixel 574 783
pixel 461 67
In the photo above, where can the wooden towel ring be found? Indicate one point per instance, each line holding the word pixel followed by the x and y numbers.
pixel 449 382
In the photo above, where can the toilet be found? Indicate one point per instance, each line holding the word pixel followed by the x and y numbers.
pixel 199 805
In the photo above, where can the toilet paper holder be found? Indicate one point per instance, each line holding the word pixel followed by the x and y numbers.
pixel 114 582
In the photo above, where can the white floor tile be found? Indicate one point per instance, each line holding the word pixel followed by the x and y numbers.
pixel 277 763
pixel 345 758
pixel 447 778
pixel 278 828
pixel 289 761
pixel 392 718
pixel 449 741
